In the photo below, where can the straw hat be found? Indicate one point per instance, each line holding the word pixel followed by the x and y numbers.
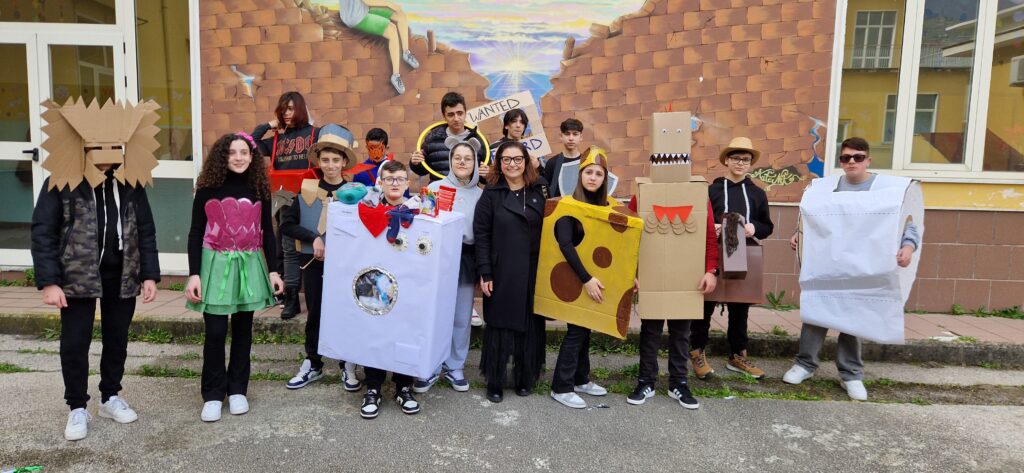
pixel 740 143
pixel 339 138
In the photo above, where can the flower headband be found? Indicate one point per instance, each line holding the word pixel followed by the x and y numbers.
pixel 246 137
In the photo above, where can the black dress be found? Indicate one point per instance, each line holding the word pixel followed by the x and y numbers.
pixel 507 228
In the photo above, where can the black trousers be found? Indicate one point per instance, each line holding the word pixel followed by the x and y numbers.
pixel 217 382
pixel 76 321
pixel 678 349
pixel 573 365
pixel 374 379
pixel 314 277
pixel 737 333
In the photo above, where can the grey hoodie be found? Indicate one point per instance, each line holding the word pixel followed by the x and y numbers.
pixel 466 195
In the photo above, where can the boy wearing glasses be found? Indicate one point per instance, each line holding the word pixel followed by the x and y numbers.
pixel 855 160
pixel 733 193
pixel 393 179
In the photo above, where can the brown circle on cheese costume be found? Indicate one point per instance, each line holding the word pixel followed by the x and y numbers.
pixel 564 282
pixel 602 257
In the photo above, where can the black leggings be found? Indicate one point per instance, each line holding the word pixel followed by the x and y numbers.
pixel 216 381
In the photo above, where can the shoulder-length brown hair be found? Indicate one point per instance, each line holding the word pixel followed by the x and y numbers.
pixel 301 116
pixel 215 167
pixel 530 174
pixel 600 197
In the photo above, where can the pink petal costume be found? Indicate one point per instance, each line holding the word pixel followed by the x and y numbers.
pixel 233 273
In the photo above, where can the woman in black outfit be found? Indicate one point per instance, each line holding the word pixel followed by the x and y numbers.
pixel 572 370
pixel 507 227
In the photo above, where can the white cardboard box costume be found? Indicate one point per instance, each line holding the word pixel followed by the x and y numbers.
pixel 386 306
pixel 849 279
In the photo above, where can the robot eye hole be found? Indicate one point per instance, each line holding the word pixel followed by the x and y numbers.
pixel 663 130
pixel 679 130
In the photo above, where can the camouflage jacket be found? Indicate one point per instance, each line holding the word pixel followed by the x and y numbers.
pixel 65 250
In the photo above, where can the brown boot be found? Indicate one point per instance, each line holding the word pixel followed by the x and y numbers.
pixel 741 364
pixel 701 368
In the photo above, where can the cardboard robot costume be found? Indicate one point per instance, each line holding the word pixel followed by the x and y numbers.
pixel 673 206
pixel 858 289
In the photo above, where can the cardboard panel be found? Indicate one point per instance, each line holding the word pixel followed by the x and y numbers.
pixel 609 251
pixel 748 290
pixel 399 316
pixel 672 248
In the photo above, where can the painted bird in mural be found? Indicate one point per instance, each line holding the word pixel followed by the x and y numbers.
pixel 247 82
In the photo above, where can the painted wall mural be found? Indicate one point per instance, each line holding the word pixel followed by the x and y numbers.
pixel 760 70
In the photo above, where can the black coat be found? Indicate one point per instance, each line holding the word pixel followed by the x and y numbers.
pixel 65 246
pixel 507 246
pixel 436 152
pixel 758 200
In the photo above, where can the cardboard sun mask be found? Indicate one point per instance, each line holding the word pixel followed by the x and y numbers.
pixel 80 138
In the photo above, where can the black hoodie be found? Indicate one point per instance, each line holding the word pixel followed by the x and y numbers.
pixel 739 201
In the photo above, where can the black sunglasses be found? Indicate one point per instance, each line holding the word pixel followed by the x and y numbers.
pixel 845 158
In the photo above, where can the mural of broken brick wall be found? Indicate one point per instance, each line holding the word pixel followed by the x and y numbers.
pixel 744 68
pixel 759 68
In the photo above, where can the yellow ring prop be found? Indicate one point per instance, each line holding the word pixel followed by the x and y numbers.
pixel 419 145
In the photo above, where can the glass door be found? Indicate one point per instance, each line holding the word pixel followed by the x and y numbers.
pixel 44 65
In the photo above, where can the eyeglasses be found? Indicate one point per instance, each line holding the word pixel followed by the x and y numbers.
pixel 740 160
pixel 512 160
pixel 393 180
pixel 459 159
pixel 845 158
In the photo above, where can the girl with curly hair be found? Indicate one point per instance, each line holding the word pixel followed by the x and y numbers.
pixel 231 225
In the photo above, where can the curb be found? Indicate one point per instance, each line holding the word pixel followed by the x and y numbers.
pixel 761 345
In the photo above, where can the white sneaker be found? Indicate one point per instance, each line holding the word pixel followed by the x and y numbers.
pixel 855 389
pixel 569 400
pixel 238 404
pixel 211 411
pixel 78 424
pixel 305 375
pixel 796 375
pixel 475 320
pixel 591 388
pixel 117 409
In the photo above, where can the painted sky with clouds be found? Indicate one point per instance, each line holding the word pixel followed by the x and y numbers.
pixel 517 45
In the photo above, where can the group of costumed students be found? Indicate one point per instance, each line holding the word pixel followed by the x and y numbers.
pixel 234 259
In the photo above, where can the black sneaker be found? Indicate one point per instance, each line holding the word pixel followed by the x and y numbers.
pixel 406 401
pixel 641 394
pixel 371 404
pixel 681 393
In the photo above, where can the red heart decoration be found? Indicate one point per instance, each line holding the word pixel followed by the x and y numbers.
pixel 375 219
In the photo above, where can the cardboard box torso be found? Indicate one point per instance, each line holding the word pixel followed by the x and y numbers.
pixel 385 305
pixel 672 248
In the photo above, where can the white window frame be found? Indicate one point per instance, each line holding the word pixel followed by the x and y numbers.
pixel 972 169
pixel 876 57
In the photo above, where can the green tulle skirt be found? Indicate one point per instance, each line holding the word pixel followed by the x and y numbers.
pixel 233 281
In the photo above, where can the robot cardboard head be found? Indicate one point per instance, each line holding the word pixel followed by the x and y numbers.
pixel 670 147
pixel 80 138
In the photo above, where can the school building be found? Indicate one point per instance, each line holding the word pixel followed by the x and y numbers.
pixel 937 87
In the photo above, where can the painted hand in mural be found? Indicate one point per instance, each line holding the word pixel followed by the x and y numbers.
pixel 54 295
pixel 385 19
pixel 904 256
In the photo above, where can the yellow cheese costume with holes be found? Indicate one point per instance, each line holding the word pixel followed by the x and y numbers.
pixel 609 251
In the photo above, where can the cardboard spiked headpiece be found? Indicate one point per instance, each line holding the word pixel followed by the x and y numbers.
pixel 79 137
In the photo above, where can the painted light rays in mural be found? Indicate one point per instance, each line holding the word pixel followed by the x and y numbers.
pixel 517 45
